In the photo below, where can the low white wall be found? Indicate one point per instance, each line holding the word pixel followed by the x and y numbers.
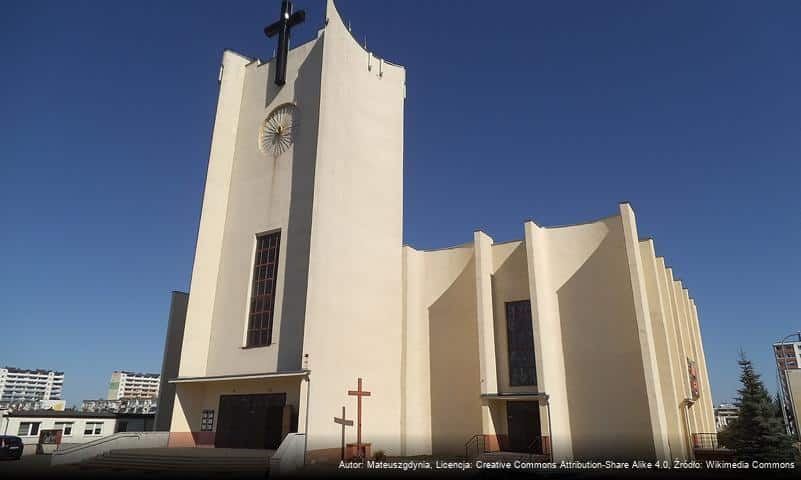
pixel 290 455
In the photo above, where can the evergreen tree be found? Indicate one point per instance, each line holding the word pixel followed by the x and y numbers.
pixel 757 434
pixel 777 406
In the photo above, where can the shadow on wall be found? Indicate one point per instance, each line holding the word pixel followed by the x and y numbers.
pixel 603 364
pixel 509 284
pixel 455 388
pixel 293 309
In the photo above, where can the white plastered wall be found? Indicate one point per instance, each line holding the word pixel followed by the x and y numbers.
pixel 599 361
pixel 663 343
pixel 353 324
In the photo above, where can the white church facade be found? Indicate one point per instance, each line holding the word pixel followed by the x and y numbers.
pixel 575 341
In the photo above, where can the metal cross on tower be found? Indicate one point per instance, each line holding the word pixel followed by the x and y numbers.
pixel 345 423
pixel 282 28
pixel 359 393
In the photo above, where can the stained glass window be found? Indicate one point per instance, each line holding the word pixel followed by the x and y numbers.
pixel 522 366
pixel 262 296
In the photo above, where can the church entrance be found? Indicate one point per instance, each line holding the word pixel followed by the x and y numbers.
pixel 524 427
pixel 250 421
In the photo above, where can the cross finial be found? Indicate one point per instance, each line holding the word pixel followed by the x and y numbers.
pixel 282 28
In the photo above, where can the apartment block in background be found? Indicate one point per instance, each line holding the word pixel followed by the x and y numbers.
pixel 133 385
pixel 19 384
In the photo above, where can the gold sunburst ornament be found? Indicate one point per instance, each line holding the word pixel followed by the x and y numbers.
pixel 279 129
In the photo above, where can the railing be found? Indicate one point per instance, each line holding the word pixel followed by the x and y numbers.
pixel 706 441
pixel 82 451
pixel 544 443
pixel 500 443
pixel 476 443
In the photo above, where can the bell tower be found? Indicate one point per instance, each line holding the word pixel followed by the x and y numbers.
pixel 298 263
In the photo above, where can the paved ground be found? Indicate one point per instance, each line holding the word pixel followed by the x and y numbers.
pixel 38 466
pixel 30 465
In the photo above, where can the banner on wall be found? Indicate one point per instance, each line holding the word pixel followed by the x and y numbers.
pixel 692 370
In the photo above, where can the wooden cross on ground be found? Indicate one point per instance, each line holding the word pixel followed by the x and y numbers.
pixel 359 393
pixel 345 423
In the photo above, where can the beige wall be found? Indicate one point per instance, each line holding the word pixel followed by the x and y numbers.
pixel 262 179
pixel 663 344
pixel 208 251
pixel 240 177
pixel 580 278
pixel 548 340
pixel 603 362
pixel 194 397
pixel 678 361
pixel 354 302
pixel 441 310
pixel 509 284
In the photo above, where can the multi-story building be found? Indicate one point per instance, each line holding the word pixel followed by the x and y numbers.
pixel 76 427
pixel 30 405
pixel 788 358
pixel 123 405
pixel 133 385
pixel 19 384
pixel 724 414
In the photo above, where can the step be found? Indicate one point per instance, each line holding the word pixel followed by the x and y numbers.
pixel 180 461
pixel 116 466
pixel 196 460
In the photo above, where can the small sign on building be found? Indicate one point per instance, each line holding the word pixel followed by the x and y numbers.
pixel 49 440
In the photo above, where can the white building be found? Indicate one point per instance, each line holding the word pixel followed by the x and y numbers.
pixel 576 341
pixel 724 414
pixel 76 427
pixel 122 405
pixel 22 384
pixel 28 405
pixel 133 385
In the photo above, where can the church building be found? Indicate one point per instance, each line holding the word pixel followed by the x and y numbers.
pixel 574 342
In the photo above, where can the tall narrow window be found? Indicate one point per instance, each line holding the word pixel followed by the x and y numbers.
pixel 262 296
pixel 522 367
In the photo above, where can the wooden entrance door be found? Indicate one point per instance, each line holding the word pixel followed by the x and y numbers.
pixel 524 427
pixel 250 421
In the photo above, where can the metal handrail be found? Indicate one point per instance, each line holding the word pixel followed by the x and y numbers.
pixel 479 447
pixel 101 446
pixel 707 441
pixel 545 451
pixel 99 441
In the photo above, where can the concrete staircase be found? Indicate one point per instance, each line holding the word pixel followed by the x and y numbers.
pixel 177 461
pixel 512 456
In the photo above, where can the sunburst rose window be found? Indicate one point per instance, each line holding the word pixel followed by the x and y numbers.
pixel 279 129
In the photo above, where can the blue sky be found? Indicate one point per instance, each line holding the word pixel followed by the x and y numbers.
pixel 553 111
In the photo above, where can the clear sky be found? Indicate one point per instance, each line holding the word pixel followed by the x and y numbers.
pixel 553 111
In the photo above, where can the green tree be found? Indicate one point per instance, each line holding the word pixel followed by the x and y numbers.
pixel 758 433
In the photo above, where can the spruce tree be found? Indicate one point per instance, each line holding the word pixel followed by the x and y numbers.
pixel 757 434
